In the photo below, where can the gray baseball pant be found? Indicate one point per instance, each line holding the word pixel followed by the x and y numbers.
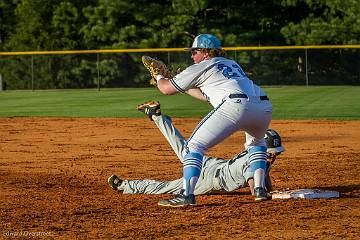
pixel 217 174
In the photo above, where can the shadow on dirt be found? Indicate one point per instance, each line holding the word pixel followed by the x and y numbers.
pixel 350 191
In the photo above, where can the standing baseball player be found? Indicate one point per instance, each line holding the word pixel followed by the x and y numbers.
pixel 238 103
pixel 216 174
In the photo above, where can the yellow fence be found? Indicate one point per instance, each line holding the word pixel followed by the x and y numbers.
pixel 264 67
pixel 245 48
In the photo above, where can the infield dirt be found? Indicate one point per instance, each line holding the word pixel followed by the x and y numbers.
pixel 53 182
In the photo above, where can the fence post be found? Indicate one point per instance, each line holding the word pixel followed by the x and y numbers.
pixel 32 72
pixel 306 68
pixel 98 71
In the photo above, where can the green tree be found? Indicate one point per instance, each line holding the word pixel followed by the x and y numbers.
pixel 121 25
pixel 327 22
pixel 27 25
pixel 7 21
pixel 32 26
pixel 64 26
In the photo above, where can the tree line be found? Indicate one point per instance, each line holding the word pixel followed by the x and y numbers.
pixel 42 25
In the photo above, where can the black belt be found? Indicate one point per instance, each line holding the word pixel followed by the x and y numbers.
pixel 242 95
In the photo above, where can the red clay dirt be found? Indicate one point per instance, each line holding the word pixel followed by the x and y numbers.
pixel 53 182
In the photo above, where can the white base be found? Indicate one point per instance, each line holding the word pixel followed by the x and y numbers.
pixel 304 193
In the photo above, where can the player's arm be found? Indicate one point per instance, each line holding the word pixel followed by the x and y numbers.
pixel 251 185
pixel 196 93
pixel 166 87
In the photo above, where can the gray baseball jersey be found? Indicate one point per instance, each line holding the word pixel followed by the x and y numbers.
pixel 217 174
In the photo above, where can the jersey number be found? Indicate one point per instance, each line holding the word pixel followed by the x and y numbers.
pixel 231 72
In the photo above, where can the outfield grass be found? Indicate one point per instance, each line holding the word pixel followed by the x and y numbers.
pixel 335 102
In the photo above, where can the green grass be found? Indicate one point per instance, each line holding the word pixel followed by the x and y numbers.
pixel 335 102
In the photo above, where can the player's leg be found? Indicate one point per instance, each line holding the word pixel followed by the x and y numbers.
pixel 251 185
pixel 215 127
pixel 164 123
pixel 268 182
pixel 257 156
pixel 191 172
pixel 256 146
pixel 177 142
pixel 248 174
pixel 145 186
pixel 148 186
pixel 254 118
pixel 171 134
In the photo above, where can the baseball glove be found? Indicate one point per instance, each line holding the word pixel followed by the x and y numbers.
pixel 155 67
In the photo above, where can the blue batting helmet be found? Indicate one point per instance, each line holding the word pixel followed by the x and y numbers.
pixel 207 41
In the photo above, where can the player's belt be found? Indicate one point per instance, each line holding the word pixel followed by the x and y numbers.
pixel 242 95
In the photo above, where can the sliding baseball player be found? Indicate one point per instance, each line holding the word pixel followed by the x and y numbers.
pixel 216 175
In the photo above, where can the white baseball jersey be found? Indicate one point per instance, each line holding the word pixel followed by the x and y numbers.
pixel 217 78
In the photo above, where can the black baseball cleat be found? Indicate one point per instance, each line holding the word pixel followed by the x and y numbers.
pixel 114 182
pixel 178 201
pixel 150 108
pixel 261 194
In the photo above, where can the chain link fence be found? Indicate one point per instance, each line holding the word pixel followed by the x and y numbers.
pixel 300 65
